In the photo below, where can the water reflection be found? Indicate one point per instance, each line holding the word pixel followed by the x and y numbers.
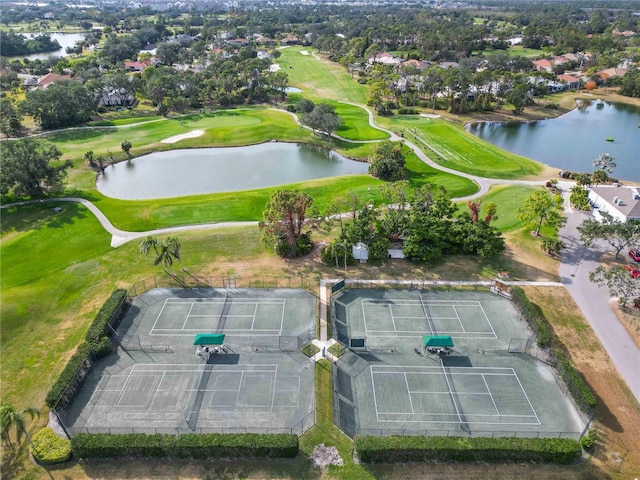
pixel 572 141
pixel 210 170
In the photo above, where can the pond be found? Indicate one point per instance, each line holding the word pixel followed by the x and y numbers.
pixel 64 39
pixel 572 141
pixel 211 170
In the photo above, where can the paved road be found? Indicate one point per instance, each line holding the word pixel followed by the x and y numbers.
pixel 577 262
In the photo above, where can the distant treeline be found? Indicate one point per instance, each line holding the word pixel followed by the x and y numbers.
pixel 12 44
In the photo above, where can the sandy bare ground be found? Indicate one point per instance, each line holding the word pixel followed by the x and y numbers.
pixel 177 138
pixel 274 67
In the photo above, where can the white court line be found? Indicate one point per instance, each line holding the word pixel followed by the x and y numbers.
pixel 284 304
pixel 459 320
pixel 489 322
pixel 186 319
pixel 158 317
pixel 393 321
pixel 527 397
pixel 409 393
pixel 364 320
pixel 375 400
pixel 221 300
pixel 273 388
pixel 255 312
pixel 455 404
pixel 489 390
pixel 124 386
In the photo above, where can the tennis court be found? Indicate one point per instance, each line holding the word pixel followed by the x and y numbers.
pixel 158 381
pixel 389 384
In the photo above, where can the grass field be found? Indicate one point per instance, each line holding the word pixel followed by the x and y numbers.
pixel 320 80
pixel 450 145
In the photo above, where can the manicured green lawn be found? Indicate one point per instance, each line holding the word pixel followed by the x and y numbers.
pixel 320 80
pixel 452 146
pixel 356 123
pixel 223 128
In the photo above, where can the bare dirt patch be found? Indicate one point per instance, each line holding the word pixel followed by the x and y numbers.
pixel 630 318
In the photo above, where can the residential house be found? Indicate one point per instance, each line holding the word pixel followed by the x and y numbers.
pixel 449 65
pixel 543 65
pixel 46 80
pixel 570 82
pixel 384 58
pixel 419 64
pixel 621 202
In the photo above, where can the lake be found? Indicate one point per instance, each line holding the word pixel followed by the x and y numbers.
pixel 64 39
pixel 573 140
pixel 197 171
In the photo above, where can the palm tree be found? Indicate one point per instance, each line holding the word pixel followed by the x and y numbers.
pixel 10 417
pixel 126 146
pixel 605 161
pixel 165 251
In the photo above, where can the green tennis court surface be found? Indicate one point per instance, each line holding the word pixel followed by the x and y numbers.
pixel 258 381
pixel 485 387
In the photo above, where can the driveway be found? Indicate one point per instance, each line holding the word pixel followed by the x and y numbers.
pixel 577 263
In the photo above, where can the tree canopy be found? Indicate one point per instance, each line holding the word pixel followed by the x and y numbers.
pixel 616 233
pixel 541 208
pixel 64 103
pixel 387 161
pixel 29 167
pixel 284 218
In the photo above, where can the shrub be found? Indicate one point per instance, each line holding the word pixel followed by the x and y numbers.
pixel 328 255
pixel 48 448
pixel 141 445
pixel 102 348
pixel 588 440
pixel 77 361
pixel 575 382
pixel 466 449
pixel 534 317
pixel 408 111
pixel 113 307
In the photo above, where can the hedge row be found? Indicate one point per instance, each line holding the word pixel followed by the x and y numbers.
pixel 533 313
pixel 575 382
pixel 140 445
pixel 466 449
pixel 97 345
pixel 100 326
pixel 579 389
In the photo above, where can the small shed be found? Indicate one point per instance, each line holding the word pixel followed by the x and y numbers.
pixel 209 339
pixel 360 252
pixel 395 251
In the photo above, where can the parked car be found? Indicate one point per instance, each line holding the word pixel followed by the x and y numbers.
pixel 635 254
pixel 634 271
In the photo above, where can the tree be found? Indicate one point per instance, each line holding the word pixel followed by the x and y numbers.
pixel 166 251
pixel 11 417
pixel 490 210
pixel 322 118
pixel 616 233
pixel 387 161
pixel 552 246
pixel 126 146
pixel 10 118
pixel 283 221
pixel 606 162
pixel 61 104
pixel 27 169
pixel 619 282
pixel 539 209
pixel 474 208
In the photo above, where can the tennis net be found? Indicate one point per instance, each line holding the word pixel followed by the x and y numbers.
pixel 222 320
pixel 427 316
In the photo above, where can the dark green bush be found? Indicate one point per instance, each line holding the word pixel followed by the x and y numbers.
pixel 407 111
pixel 185 446
pixel 78 360
pixel 466 449
pixel 534 317
pixel 113 307
pixel 101 349
pixel 575 382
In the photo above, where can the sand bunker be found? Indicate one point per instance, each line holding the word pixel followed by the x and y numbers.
pixel 304 52
pixel 274 67
pixel 177 138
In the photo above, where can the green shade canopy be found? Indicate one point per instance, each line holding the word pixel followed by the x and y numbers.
pixel 209 339
pixel 437 341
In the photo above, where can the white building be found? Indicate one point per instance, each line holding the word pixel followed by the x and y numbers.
pixel 621 202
